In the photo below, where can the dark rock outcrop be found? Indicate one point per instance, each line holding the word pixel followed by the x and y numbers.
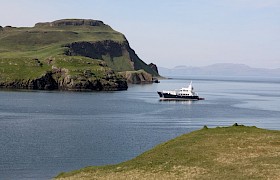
pixel 137 77
pixel 95 50
pixel 51 81
pixel 87 80
pixel 82 84
pixel 46 82
pixel 72 22
pixel 7 28
pixel 153 67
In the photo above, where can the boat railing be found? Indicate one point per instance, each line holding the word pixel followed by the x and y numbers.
pixel 170 92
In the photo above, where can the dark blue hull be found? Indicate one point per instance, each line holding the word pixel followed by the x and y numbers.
pixel 168 96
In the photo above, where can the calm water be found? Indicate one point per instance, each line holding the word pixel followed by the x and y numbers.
pixel 44 133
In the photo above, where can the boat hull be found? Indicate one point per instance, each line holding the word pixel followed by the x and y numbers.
pixel 167 96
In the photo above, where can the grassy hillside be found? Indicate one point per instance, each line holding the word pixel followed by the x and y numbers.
pixel 20 48
pixel 43 35
pixel 236 152
pixel 46 40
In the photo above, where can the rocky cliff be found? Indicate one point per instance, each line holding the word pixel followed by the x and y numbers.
pixel 95 50
pixel 118 55
pixel 154 67
pixel 59 79
pixel 137 77
pixel 46 82
pixel 68 54
pixel 71 22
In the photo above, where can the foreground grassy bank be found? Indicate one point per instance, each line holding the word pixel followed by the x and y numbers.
pixel 236 152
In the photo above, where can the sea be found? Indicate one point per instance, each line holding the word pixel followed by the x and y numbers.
pixel 44 133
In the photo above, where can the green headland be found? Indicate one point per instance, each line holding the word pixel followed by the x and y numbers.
pixel 69 54
pixel 236 152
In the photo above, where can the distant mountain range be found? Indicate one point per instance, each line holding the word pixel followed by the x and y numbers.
pixel 221 69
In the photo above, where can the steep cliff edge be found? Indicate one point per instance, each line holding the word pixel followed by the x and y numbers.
pixel 118 55
pixel 68 54
pixel 137 77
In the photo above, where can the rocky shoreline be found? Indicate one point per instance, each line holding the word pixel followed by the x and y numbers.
pixel 50 81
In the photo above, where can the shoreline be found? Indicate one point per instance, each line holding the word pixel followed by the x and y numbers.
pixel 220 153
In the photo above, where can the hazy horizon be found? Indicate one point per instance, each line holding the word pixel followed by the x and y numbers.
pixel 216 64
pixel 173 33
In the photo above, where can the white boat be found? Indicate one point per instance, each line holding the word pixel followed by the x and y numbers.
pixel 185 93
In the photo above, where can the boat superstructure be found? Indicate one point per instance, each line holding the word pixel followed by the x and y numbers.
pixel 185 93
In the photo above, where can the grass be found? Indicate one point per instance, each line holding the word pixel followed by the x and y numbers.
pixel 20 46
pixel 119 63
pixel 21 68
pixel 236 152
pixel 25 68
pixel 33 39
pixel 77 65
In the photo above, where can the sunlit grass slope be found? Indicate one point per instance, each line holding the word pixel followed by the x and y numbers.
pixel 43 40
pixel 22 48
pixel 236 152
pixel 29 68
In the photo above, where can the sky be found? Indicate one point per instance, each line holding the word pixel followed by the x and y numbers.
pixel 170 33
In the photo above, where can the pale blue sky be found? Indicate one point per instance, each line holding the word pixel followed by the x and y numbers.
pixel 173 32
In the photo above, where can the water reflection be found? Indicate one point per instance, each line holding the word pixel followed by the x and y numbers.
pixel 44 133
pixel 175 101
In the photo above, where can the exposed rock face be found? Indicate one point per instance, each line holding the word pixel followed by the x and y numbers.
pixel 45 82
pixel 97 50
pixel 72 22
pixel 87 81
pixel 153 67
pixel 137 77
pixel 82 84
pixel 96 85
pixel 97 53
pixel 53 81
